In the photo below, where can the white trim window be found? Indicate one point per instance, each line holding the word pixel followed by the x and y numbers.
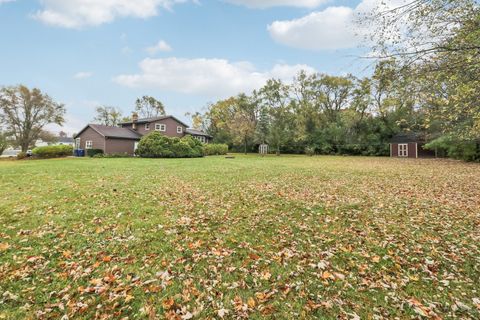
pixel 201 139
pixel 89 144
pixel 147 126
pixel 179 129
pixel 403 150
pixel 160 127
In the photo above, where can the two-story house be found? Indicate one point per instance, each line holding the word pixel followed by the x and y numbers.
pixel 125 137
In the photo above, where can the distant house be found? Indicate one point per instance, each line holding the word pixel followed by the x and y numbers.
pixel 64 141
pixel 125 138
pixel 409 145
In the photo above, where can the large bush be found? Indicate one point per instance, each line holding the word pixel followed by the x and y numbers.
pixel 53 151
pixel 214 149
pixel 156 145
pixel 454 148
pixel 94 152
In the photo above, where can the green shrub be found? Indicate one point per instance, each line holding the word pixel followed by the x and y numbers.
pixel 156 145
pixel 112 155
pixel 454 148
pixel 94 152
pixel 53 151
pixel 310 151
pixel 21 155
pixel 215 149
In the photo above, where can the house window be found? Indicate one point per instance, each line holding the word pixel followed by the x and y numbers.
pixel 403 150
pixel 89 144
pixel 160 127
pixel 147 126
pixel 200 138
pixel 179 129
pixel 77 143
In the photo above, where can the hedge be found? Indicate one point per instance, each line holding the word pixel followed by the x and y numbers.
pixel 214 149
pixel 156 145
pixel 112 155
pixel 53 151
pixel 94 152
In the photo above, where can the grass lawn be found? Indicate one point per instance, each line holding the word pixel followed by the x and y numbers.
pixel 277 237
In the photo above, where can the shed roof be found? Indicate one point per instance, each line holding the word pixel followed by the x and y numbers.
pixel 113 132
pixel 406 137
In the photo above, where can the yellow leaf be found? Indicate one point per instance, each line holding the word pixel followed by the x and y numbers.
pixel 4 246
pixel 251 302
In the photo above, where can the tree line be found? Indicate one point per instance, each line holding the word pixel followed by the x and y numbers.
pixel 425 80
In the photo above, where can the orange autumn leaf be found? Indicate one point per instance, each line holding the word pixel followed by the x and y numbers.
pixel 167 304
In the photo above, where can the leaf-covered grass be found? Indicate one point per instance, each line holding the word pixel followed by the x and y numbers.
pixel 275 237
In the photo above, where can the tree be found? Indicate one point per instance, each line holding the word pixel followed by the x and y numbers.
pixel 149 107
pixel 438 42
pixel 273 100
pixel 417 30
pixel 243 123
pixel 197 119
pixel 3 142
pixel 218 118
pixel 47 136
pixel 26 112
pixel 108 116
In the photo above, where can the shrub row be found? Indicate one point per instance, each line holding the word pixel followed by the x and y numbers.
pixel 53 151
pixel 112 155
pixel 94 152
pixel 215 149
pixel 156 145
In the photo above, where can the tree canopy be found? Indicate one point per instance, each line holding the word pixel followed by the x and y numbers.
pixel 25 112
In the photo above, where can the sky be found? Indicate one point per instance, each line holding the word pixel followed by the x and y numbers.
pixel 185 53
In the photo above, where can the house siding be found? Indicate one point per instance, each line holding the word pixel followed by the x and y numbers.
pixel 91 135
pixel 170 123
pixel 119 146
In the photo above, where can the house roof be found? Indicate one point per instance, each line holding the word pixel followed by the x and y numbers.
pixel 113 132
pixel 195 132
pixel 153 119
pixel 65 139
pixel 406 137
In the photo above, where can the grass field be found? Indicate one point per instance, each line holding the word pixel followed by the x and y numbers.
pixel 278 237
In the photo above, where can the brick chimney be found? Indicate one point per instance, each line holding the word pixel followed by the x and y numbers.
pixel 134 120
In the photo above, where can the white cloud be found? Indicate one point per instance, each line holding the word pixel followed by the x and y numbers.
pixel 5 1
pixel 214 78
pixel 161 46
pixel 79 13
pixel 332 28
pixel 278 3
pixel 83 75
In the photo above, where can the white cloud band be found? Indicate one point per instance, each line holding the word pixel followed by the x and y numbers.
pixel 213 78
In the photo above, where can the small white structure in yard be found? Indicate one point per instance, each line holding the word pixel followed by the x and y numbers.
pixel 263 149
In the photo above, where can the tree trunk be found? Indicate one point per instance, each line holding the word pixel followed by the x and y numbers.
pixel 245 146
pixel 477 155
pixel 24 147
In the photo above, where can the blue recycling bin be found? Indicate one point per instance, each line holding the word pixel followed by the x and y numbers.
pixel 79 153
